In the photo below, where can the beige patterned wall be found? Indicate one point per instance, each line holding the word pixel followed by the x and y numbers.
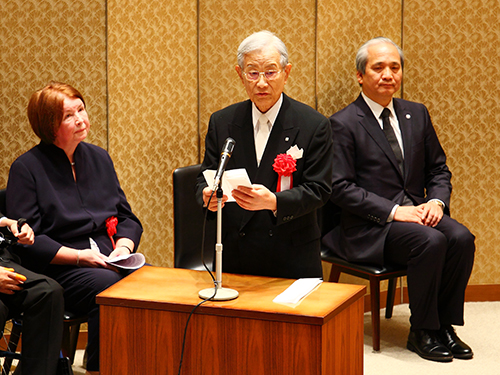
pixel 153 105
pixel 171 64
pixel 343 26
pixel 452 67
pixel 37 45
pixel 224 25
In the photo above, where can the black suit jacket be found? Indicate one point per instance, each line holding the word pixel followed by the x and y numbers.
pixel 367 182
pixel 257 242
pixel 65 212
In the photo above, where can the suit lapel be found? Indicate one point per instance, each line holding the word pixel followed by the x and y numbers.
pixel 241 130
pixel 372 126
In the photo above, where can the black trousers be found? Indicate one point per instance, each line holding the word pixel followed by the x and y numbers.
pixel 81 285
pixel 439 262
pixel 42 304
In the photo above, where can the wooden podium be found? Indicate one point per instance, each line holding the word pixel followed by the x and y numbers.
pixel 143 318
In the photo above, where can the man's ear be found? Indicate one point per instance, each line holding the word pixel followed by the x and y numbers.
pixel 359 76
pixel 287 69
pixel 240 73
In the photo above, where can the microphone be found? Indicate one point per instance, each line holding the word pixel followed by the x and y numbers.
pixel 227 151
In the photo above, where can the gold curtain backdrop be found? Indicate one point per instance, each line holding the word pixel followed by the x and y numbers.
pixel 153 71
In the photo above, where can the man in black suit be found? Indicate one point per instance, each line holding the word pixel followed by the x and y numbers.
pixel 270 231
pixel 38 298
pixel 393 186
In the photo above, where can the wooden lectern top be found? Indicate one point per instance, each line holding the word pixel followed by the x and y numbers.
pixel 175 289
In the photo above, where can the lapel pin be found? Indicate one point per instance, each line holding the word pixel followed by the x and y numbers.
pixel 408 116
pixel 287 139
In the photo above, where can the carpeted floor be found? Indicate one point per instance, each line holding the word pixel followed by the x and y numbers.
pixel 481 330
pixel 77 365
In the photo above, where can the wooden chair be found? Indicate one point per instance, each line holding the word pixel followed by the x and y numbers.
pixel 329 218
pixel 71 330
pixel 375 275
pixel 188 222
pixel 9 354
pixel 71 322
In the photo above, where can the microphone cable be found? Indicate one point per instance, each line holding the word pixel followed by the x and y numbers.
pixel 213 279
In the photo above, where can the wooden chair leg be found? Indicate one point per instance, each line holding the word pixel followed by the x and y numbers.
pixel 73 342
pixel 375 306
pixel 391 293
pixel 334 275
pixel 15 334
pixel 65 340
pixel 70 340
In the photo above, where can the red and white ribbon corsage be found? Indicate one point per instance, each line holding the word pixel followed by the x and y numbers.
pixel 285 165
pixel 111 223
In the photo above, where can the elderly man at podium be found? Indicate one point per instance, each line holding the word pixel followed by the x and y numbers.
pixel 270 229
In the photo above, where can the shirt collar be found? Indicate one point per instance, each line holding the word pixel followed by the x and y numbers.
pixel 271 114
pixel 377 108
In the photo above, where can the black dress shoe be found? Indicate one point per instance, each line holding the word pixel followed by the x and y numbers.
pixel 427 345
pixel 458 348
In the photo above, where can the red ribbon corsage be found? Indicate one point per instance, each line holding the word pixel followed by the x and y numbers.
pixel 284 165
pixel 111 223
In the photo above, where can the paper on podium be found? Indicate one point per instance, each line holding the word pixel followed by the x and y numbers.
pixel 230 180
pixel 298 290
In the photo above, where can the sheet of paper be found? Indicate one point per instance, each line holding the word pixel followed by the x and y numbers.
pixel 129 262
pixel 231 179
pixel 298 290
pixel 93 245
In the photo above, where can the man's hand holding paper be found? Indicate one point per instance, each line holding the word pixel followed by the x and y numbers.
pixel 254 198
pixel 231 180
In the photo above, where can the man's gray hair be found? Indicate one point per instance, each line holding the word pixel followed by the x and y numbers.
pixel 257 42
pixel 362 55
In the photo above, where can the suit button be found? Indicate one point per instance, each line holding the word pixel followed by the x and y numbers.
pixel 242 234
pixel 270 233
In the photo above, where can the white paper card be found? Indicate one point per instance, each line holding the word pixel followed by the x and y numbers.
pixel 93 245
pixel 230 180
pixel 298 290
pixel 129 262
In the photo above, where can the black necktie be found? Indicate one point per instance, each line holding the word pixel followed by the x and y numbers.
pixel 391 137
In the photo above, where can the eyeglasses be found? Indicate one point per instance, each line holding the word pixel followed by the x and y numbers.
pixel 269 75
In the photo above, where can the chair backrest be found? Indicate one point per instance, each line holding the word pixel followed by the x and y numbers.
pixel 3 201
pixel 188 222
pixel 3 208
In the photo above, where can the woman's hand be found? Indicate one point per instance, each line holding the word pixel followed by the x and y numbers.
pixel 122 250
pixel 91 258
pixel 124 246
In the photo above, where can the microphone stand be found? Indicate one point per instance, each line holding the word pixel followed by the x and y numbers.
pixel 218 293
